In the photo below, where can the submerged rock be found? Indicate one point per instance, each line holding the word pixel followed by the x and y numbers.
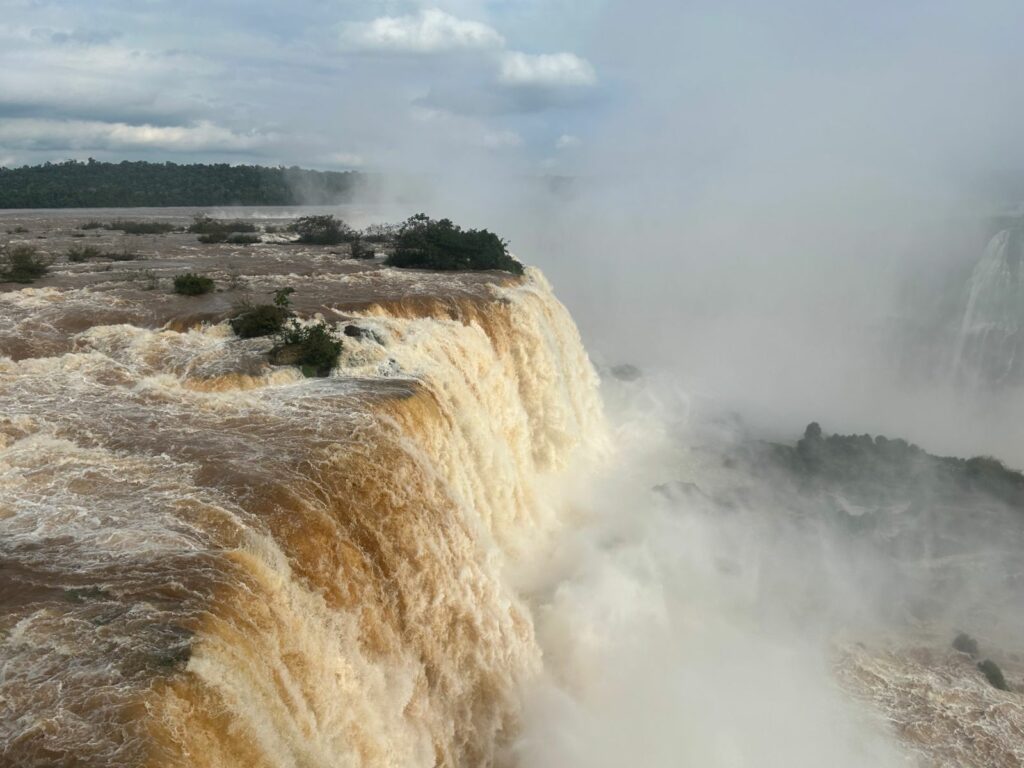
pixel 994 674
pixel 356 332
pixel 966 644
pixel 285 354
pixel 626 372
pixel 678 489
pixel 295 354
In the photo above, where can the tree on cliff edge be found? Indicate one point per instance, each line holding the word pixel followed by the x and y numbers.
pixel 425 243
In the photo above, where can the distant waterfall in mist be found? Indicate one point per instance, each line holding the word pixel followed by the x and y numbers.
pixel 990 346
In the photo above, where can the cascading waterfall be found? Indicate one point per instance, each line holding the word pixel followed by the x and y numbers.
pixel 207 563
pixel 990 345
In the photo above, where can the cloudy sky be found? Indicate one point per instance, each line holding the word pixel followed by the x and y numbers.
pixel 535 84
pixel 363 84
pixel 735 160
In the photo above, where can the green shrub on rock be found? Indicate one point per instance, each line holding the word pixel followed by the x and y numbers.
pixel 360 250
pixel 424 243
pixel 322 230
pixel 314 348
pixel 204 225
pixel 80 253
pixel 191 284
pixel 142 227
pixel 260 320
pixel 22 264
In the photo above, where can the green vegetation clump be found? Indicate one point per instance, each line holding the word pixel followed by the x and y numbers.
pixel 879 468
pixel 141 227
pixel 22 264
pixel 322 230
pixel 241 238
pixel 122 255
pixel 360 250
pixel 80 253
pixel 314 348
pixel 94 225
pixel 263 319
pixel 92 184
pixel 259 320
pixel 424 243
pixel 191 284
pixel 204 225
pixel 380 233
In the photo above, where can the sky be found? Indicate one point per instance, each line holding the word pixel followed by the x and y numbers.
pixel 535 86
pixel 365 85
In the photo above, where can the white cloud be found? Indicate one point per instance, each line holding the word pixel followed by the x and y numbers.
pixel 546 69
pixel 567 141
pixel 88 82
pixel 33 133
pixel 430 31
pixel 349 159
pixel 501 139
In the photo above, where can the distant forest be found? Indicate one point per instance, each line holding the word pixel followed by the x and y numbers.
pixel 93 184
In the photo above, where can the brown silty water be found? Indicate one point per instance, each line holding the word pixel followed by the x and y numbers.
pixel 941 708
pixel 206 560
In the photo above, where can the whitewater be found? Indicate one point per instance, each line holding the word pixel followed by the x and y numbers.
pixel 456 550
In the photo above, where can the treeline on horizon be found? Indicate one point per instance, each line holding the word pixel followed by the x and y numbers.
pixel 141 184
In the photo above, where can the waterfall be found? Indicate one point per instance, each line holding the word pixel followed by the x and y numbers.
pixel 990 345
pixel 221 564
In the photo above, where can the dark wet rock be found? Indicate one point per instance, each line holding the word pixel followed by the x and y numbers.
pixel 678 489
pixel 172 658
pixel 626 372
pixel 285 354
pixel 356 332
pixel 993 674
pixel 966 644
pixel 298 354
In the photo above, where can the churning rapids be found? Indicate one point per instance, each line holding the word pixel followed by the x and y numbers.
pixel 442 554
